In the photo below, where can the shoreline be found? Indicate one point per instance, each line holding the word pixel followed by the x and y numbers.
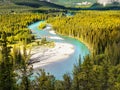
pixel 41 56
pixel 44 56
pixel 90 48
pixel 57 59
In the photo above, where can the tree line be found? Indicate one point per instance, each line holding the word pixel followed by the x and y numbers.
pixel 99 71
pixel 16 26
pixel 99 29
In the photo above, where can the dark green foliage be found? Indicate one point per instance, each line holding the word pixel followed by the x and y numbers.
pixel 99 71
pixel 45 81
pixel 67 84
pixel 94 76
pixel 22 68
pixel 17 56
pixel 85 76
pixel 23 6
pixel 17 24
pixel 59 85
pixel 100 30
pixel 113 53
pixel 7 80
pixel 37 4
pixel 25 70
pixel 43 41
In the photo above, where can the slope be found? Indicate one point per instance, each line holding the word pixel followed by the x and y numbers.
pixel 8 6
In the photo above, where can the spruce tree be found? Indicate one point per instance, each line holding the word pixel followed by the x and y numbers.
pixel 76 71
pixel 67 82
pixel 7 81
pixel 25 70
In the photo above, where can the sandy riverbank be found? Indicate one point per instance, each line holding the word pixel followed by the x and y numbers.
pixel 44 56
pixel 41 56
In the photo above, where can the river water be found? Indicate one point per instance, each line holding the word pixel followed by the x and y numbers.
pixel 58 69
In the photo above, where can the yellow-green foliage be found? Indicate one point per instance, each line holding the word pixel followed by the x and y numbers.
pixel 47 43
pixel 42 25
pixel 92 26
pixel 16 26
pixel 100 29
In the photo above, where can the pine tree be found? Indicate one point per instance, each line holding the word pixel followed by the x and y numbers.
pixel 7 80
pixel 45 81
pixel 104 75
pixel 76 71
pixel 67 82
pixel 25 70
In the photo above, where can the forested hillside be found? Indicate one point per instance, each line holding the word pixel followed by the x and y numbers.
pixel 26 6
pixel 16 26
pixel 101 32
pixel 99 29
pixel 37 6
pixel 30 3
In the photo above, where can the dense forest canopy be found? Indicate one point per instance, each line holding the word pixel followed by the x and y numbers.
pixel 16 26
pixel 99 30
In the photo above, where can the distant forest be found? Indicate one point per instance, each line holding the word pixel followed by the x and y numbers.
pixel 99 71
pixel 98 28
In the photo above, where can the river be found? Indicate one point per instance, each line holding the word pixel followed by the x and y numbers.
pixel 59 68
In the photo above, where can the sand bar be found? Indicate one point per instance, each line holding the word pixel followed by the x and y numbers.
pixel 44 56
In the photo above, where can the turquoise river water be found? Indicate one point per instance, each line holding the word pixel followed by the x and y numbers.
pixel 58 69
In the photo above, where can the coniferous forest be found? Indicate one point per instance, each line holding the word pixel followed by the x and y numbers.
pixel 98 30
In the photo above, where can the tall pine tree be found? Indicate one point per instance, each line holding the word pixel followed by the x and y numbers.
pixel 7 81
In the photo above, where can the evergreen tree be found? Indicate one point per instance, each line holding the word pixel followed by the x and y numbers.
pixel 25 70
pixel 7 79
pixel 67 82
pixel 105 75
pixel 76 71
pixel 45 81
pixel 59 85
